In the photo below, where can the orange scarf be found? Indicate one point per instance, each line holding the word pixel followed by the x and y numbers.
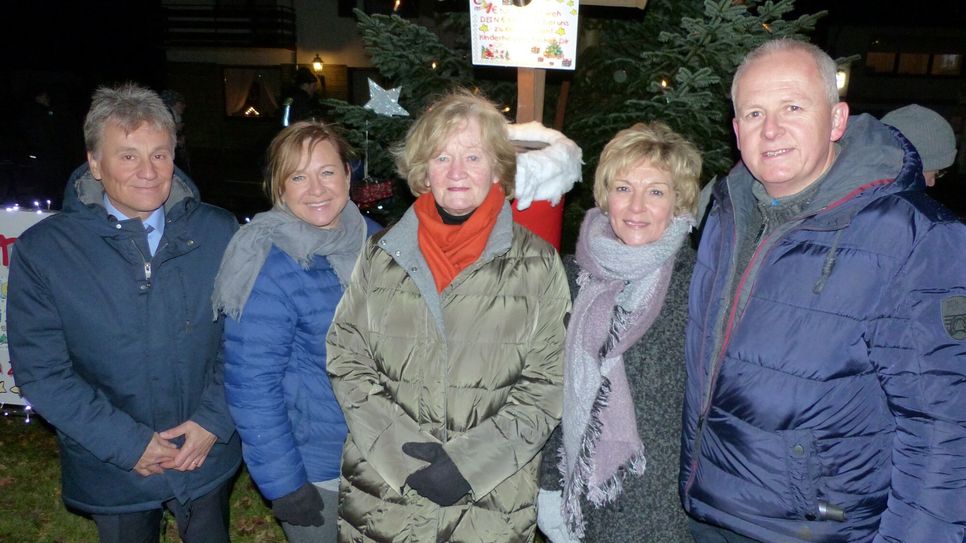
pixel 450 248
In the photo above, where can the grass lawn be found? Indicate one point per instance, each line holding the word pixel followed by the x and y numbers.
pixel 32 510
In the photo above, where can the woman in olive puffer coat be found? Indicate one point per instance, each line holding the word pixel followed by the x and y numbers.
pixel 445 351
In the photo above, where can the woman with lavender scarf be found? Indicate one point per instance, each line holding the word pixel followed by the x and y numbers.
pixel 619 440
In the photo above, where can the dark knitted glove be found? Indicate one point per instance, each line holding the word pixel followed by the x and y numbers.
pixel 301 508
pixel 440 482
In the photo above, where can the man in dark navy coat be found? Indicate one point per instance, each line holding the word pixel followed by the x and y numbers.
pixel 825 348
pixel 111 336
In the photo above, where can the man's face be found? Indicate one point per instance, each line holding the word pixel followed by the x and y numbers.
pixel 135 168
pixel 783 122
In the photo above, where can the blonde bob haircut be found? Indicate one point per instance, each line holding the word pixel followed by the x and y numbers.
pixel 427 136
pixel 656 144
pixel 285 153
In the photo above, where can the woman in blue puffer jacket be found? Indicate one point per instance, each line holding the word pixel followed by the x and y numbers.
pixel 279 283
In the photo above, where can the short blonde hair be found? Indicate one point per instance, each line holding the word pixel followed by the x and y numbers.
pixel 285 153
pixel 429 133
pixel 656 144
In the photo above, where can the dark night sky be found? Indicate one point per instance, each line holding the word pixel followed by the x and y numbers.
pixel 109 37
pixel 889 12
pixel 121 38
pixel 80 44
pixel 917 13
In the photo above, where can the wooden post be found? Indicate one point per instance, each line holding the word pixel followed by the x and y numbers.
pixel 531 85
pixel 558 118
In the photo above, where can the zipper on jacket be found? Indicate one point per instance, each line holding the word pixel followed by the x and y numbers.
pixel 713 378
pixel 146 262
pixel 715 369
pixel 730 324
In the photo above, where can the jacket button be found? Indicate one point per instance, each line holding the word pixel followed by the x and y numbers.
pixel 382 242
pixel 798 450
pixel 117 226
pixel 413 269
pixel 191 242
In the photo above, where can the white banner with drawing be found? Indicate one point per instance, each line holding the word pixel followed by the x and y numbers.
pixel 12 224
pixel 524 33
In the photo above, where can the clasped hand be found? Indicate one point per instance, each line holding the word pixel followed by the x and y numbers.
pixel 161 453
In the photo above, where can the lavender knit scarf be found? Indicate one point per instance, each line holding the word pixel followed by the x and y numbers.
pixel 622 290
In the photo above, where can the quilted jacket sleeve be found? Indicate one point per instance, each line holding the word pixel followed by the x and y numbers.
pixel 500 446
pixel 258 348
pixel 212 413
pixel 45 373
pixel 919 352
pixel 378 426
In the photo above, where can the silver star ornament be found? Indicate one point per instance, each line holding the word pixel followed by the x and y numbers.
pixel 385 102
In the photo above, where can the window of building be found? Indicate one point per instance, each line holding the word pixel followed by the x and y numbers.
pixel 881 63
pixel 947 64
pixel 913 63
pixel 252 91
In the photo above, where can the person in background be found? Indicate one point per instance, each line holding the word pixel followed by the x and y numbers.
pixel 930 134
pixel 446 352
pixel 827 327
pixel 176 104
pixel 111 335
pixel 279 283
pixel 301 102
pixel 624 370
pixel 45 155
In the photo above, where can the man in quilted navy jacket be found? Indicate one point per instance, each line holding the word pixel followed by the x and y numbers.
pixel 826 343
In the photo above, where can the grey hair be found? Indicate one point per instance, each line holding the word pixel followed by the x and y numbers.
pixel 129 106
pixel 823 62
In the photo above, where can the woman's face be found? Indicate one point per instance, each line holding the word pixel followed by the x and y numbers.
pixel 461 173
pixel 640 204
pixel 318 190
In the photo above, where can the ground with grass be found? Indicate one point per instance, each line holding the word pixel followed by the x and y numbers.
pixel 31 509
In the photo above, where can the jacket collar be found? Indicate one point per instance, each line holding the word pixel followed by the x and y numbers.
pixel 85 195
pixel 401 241
pixel 402 245
pixel 873 160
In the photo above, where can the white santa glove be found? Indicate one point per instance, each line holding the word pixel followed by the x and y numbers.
pixel 550 518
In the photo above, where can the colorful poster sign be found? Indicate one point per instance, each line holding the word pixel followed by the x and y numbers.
pixel 12 224
pixel 524 33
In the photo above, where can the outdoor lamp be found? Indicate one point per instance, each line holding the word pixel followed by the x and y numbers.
pixel 842 80
pixel 317 65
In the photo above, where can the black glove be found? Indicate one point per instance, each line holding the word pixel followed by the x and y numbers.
pixel 301 508
pixel 440 482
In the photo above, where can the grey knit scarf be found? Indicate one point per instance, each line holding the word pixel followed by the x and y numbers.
pixel 622 290
pixel 249 248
